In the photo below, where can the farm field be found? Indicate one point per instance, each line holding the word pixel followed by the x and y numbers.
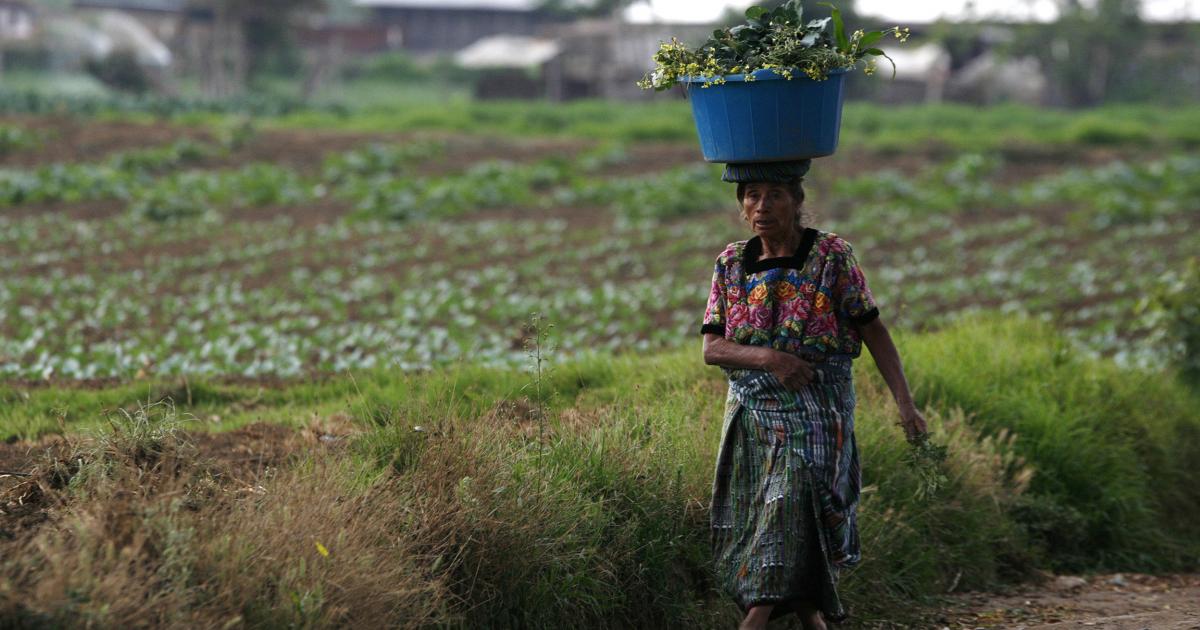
pixel 264 366
pixel 137 249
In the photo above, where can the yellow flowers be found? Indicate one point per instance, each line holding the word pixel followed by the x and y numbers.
pixel 776 39
pixel 321 549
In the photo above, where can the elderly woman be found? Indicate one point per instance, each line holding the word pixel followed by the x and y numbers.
pixel 788 311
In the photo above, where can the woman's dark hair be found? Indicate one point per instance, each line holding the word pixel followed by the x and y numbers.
pixel 795 188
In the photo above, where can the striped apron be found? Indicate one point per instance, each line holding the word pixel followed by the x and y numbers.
pixel 786 490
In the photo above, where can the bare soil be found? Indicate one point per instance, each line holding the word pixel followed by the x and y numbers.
pixel 1110 602
pixel 240 457
pixel 67 139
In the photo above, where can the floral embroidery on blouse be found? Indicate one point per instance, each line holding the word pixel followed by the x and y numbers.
pixel 809 302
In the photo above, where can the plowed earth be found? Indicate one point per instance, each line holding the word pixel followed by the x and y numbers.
pixel 240 457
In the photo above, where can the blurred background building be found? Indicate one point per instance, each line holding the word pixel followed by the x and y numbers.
pixel 551 49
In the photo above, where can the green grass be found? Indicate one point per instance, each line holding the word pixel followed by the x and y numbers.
pixel 400 105
pixel 593 513
pixel 1114 450
pixel 1107 444
pixel 897 129
pixel 1055 461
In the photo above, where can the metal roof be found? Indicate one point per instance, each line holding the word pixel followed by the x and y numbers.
pixel 508 51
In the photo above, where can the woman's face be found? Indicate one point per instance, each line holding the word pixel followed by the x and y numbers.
pixel 770 210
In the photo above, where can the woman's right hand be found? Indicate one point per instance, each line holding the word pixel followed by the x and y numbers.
pixel 790 370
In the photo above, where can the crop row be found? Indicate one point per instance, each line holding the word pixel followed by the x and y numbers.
pixel 218 294
pixel 377 306
pixel 376 180
pixel 235 297
pixel 14 139
pixel 1116 193
pixel 157 184
pixel 890 128
pixel 30 102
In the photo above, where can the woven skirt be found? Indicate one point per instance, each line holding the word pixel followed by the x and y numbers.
pixel 785 491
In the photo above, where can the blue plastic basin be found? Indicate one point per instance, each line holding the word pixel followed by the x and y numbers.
pixel 767 119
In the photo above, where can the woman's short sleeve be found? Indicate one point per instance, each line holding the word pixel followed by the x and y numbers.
pixel 714 314
pixel 853 297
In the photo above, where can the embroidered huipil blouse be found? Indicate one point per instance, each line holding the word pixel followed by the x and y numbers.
pixel 808 303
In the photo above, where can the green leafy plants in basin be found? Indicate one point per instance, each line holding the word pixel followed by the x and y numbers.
pixel 777 39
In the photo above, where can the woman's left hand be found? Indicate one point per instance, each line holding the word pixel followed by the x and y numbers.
pixel 912 421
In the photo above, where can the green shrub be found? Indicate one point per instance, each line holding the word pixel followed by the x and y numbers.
pixel 13 139
pixel 1104 131
pixel 122 71
pixel 1103 456
pixel 1172 314
pixel 390 66
pixel 164 206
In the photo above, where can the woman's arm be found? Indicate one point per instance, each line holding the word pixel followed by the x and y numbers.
pixel 887 359
pixel 792 371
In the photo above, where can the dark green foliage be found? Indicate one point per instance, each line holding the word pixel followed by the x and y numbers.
pixel 390 66
pixel 164 206
pixel 1089 51
pixel 1112 450
pixel 484 185
pixel 1122 193
pixel 1095 130
pixel 27 102
pixel 777 39
pixel 120 70
pixel 1172 312
pixel 765 31
pixel 13 139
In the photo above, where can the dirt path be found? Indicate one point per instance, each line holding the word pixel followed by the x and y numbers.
pixel 1110 602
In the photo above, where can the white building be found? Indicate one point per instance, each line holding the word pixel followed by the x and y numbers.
pixel 16 21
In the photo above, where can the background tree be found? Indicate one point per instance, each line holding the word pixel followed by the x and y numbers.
pixel 1089 50
pixel 246 37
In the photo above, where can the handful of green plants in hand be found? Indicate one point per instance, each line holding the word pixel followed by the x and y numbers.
pixel 927 460
pixel 778 39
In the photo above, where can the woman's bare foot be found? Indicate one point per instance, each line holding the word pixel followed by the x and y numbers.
pixel 757 618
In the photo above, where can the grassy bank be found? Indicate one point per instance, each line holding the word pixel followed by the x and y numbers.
pixel 465 498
